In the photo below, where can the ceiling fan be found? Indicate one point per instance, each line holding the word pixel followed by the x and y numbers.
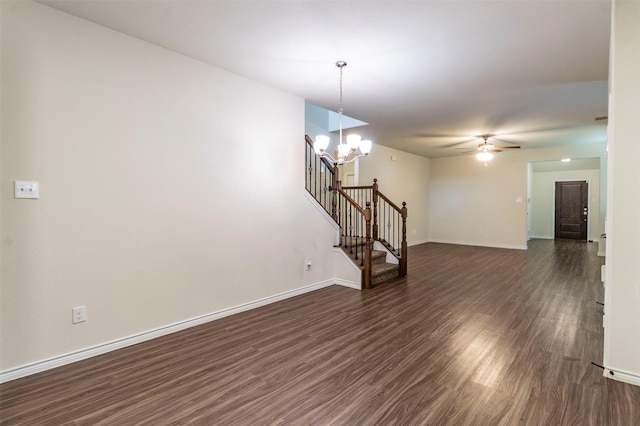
pixel 489 147
pixel 486 149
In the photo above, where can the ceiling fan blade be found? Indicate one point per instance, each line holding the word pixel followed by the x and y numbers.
pixel 502 148
pixel 486 144
pixel 504 140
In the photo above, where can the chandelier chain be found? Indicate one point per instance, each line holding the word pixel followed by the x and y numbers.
pixel 340 108
pixel 340 64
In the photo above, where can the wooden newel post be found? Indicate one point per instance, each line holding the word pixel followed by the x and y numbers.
pixel 366 278
pixel 403 246
pixel 374 198
pixel 335 185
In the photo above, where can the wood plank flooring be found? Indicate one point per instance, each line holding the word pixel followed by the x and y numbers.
pixel 473 336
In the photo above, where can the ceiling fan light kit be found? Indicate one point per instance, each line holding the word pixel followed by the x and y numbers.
pixel 348 151
pixel 484 156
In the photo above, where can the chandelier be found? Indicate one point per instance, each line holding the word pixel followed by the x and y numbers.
pixel 348 151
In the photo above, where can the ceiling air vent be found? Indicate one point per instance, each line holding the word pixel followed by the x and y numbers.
pixel 602 117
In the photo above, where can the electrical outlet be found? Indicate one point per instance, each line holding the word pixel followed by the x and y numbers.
pixel 26 189
pixel 79 314
pixel 308 264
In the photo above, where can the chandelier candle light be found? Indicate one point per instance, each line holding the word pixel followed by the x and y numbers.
pixel 353 148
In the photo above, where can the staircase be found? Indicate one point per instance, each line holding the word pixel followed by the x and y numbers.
pixel 366 217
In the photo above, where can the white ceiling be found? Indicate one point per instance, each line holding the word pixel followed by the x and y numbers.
pixel 424 74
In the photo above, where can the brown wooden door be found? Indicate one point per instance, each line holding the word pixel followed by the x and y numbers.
pixel 572 210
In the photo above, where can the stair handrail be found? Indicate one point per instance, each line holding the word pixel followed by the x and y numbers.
pixel 391 203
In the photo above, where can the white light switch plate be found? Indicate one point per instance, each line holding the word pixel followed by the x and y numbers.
pixel 26 189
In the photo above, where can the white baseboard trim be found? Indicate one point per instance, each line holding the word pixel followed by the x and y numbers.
pixel 622 376
pixel 350 284
pixel 601 254
pixel 59 361
pixel 418 242
pixel 541 237
pixel 478 244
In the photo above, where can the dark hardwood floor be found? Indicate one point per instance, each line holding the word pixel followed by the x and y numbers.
pixel 473 336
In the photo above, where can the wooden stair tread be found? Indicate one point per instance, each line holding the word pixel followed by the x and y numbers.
pixel 384 271
pixel 381 268
pixel 378 256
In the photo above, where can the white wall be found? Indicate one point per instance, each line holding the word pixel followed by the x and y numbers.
pixel 486 206
pixel 622 293
pixel 153 210
pixel 543 202
pixel 406 178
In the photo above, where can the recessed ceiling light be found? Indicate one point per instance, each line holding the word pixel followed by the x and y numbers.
pixel 566 160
